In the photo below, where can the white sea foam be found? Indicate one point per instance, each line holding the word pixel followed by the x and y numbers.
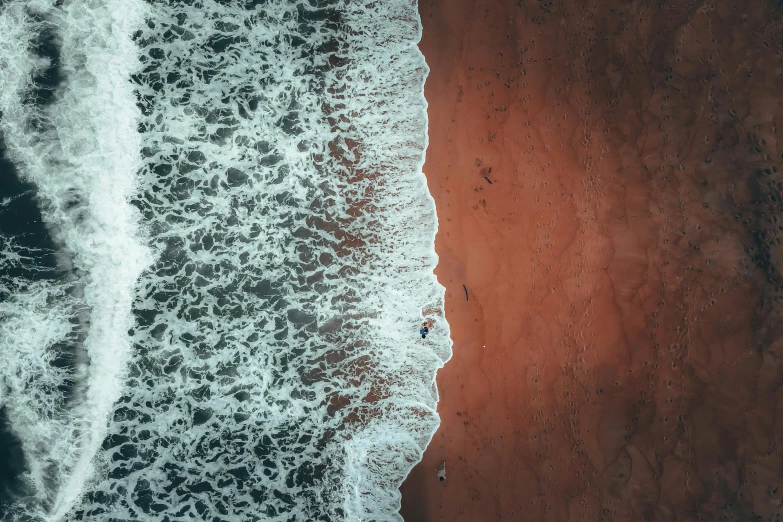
pixel 278 374
pixel 83 158
pixel 32 324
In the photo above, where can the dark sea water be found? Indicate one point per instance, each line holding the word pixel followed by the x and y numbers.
pixel 216 248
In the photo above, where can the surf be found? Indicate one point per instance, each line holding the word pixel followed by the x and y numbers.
pixel 251 273
pixel 79 152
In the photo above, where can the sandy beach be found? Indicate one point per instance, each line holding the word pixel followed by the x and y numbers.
pixel 609 190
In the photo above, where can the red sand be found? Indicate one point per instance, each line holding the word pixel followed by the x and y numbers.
pixel 610 192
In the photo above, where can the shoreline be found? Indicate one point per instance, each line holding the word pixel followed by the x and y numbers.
pixel 616 240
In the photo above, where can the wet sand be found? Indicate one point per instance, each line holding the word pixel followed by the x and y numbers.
pixel 610 193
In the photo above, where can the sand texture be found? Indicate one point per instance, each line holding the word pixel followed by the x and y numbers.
pixel 609 186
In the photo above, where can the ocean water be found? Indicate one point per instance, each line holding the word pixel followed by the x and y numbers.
pixel 216 247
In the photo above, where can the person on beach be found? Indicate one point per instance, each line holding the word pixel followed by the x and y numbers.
pixel 442 472
pixel 424 330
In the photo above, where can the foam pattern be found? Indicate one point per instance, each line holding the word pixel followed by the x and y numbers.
pixel 80 149
pixel 36 323
pixel 276 371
